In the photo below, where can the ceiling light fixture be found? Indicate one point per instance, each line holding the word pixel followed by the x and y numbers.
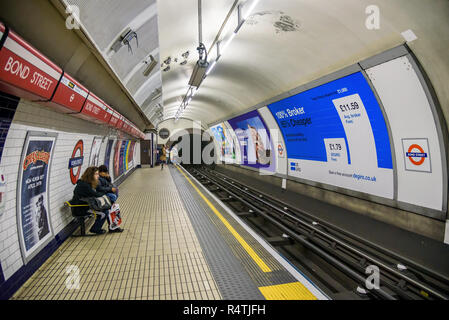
pixel 250 9
pixel 202 68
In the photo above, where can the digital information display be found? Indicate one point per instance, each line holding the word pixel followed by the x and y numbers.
pixel 336 134
pixel 254 140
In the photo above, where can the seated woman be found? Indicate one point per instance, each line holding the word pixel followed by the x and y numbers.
pixel 85 188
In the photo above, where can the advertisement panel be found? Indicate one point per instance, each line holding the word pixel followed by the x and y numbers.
pixel 336 134
pixel 224 143
pixel 94 159
pixel 107 155
pixel 130 155
pixel 123 157
pixel 33 215
pixel 254 140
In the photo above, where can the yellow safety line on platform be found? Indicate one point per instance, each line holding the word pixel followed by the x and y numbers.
pixel 287 291
pixel 239 238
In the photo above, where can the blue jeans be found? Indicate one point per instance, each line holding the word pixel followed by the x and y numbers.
pixel 99 221
pixel 112 197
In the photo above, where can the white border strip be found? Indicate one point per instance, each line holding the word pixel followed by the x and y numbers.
pixel 94 100
pixel 19 50
pixel 290 268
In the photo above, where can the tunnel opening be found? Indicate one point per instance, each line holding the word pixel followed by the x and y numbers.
pixel 192 149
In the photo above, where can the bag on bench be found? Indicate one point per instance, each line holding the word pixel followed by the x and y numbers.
pixel 99 204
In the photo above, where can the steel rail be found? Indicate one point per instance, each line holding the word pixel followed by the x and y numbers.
pixel 332 228
pixel 326 236
pixel 303 240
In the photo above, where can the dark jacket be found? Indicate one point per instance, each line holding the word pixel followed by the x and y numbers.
pixel 83 190
pixel 105 185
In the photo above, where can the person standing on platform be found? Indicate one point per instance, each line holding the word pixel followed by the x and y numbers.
pixel 163 157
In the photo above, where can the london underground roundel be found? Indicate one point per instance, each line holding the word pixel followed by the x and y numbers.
pixel 76 162
pixel 417 154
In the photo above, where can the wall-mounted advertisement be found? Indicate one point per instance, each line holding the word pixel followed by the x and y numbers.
pixel 122 157
pixel 224 143
pixel 33 216
pixel 130 155
pixel 94 159
pixel 254 140
pixel 336 134
pixel 9 105
pixel 107 155
pixel 123 150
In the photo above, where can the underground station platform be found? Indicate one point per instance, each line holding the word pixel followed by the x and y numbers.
pixel 179 243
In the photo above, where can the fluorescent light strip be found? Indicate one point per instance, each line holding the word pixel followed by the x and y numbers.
pixel 192 91
pixel 211 67
pixel 250 9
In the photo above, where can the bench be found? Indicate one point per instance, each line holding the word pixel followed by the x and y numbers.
pixel 81 219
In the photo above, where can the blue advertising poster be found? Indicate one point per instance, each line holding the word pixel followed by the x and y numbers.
pixel 8 109
pixel 107 155
pixel 254 139
pixel 122 161
pixel 119 164
pixel 336 134
pixel 33 213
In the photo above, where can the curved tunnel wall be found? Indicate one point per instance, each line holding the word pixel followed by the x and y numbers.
pixel 74 143
pixel 373 131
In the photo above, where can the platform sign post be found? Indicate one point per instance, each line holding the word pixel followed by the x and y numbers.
pixel 33 214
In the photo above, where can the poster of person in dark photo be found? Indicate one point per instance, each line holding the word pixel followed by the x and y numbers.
pixel 33 185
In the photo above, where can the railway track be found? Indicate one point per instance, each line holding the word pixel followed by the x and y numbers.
pixel 344 264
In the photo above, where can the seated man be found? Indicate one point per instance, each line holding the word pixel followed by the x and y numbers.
pixel 105 186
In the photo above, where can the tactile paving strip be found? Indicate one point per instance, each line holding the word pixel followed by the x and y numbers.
pixel 232 279
pixel 278 274
pixel 157 257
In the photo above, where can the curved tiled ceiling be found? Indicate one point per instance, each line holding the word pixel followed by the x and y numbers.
pixel 283 44
pixel 105 21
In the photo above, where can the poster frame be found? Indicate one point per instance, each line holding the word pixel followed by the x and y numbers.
pixel 99 150
pixel 26 257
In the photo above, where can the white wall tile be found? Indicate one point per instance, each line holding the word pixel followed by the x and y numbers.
pixel 34 117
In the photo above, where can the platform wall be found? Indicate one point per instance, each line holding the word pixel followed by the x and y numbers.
pixel 31 117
